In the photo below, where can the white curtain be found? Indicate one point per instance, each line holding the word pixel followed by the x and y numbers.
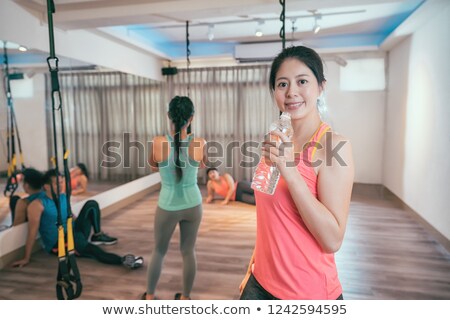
pixel 233 110
pixel 111 109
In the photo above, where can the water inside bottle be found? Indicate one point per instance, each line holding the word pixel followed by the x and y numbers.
pixel 266 177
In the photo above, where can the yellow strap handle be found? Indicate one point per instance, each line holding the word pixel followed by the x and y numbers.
pixel 70 242
pixel 61 243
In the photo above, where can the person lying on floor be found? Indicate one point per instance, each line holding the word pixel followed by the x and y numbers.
pixel 42 218
pixel 79 177
pixel 226 188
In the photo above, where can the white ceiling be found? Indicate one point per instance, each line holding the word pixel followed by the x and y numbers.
pixel 159 26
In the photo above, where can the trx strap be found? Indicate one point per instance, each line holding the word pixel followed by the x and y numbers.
pixel 283 21
pixel 283 24
pixel 12 130
pixel 68 273
pixel 188 63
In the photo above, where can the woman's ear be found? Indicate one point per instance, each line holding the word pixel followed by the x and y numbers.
pixel 322 86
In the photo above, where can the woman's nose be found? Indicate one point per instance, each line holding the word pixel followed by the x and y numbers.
pixel 292 91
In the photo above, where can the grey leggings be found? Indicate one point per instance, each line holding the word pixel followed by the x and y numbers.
pixel 165 223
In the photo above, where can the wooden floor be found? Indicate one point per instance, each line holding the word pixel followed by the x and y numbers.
pixel 386 255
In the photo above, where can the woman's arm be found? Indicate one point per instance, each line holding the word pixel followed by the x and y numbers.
pixel 210 188
pixel 197 151
pixel 156 151
pixel 326 216
pixel 230 183
pixel 248 273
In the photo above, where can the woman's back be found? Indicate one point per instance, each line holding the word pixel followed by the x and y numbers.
pixel 182 192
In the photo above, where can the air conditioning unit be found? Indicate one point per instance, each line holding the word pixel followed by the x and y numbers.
pixel 259 52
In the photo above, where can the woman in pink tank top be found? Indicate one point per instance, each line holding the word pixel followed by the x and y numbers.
pixel 302 225
pixel 79 179
pixel 225 186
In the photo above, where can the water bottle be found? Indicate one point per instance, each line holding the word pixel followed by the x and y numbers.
pixel 266 177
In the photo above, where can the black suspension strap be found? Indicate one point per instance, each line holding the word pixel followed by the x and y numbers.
pixel 283 25
pixel 188 63
pixel 283 21
pixel 12 133
pixel 68 273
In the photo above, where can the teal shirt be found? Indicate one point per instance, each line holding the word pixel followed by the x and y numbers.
pixel 47 227
pixel 184 194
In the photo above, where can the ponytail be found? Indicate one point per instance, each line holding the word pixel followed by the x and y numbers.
pixel 177 151
pixel 181 109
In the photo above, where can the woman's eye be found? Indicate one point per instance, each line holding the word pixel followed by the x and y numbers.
pixel 303 81
pixel 282 85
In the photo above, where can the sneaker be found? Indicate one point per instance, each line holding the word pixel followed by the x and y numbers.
pixel 103 238
pixel 178 296
pixel 132 262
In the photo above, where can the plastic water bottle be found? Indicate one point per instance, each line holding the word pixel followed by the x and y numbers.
pixel 265 178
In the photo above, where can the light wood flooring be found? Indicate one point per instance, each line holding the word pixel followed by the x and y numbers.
pixel 386 255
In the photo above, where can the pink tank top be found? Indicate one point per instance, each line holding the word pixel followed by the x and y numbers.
pixel 222 188
pixel 73 182
pixel 289 263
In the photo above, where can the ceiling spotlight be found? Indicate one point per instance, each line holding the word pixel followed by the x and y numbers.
pixel 258 31
pixel 316 28
pixel 210 32
pixel 316 16
pixel 23 48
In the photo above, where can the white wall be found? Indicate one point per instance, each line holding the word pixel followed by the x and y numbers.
pixel 417 144
pixel 79 45
pixel 76 44
pixel 31 121
pixel 358 115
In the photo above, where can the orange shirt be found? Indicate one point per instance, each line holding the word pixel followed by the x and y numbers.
pixel 289 262
pixel 221 187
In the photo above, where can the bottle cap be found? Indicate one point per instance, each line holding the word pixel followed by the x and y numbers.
pixel 285 115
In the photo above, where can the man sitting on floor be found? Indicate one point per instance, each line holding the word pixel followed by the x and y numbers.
pixel 42 217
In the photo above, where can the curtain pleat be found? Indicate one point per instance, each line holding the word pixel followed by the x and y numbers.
pixel 111 116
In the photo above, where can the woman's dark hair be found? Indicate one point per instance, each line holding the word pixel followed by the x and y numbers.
pixel 304 54
pixel 33 177
pixel 83 169
pixel 48 175
pixel 181 109
pixel 211 169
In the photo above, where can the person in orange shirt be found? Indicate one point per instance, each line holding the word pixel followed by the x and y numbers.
pixel 79 179
pixel 225 186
